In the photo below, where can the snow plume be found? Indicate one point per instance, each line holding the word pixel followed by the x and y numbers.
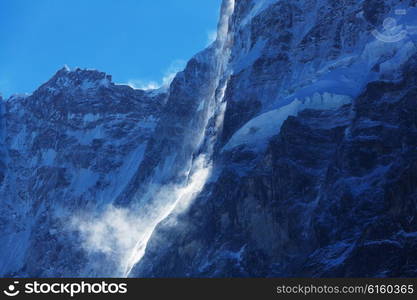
pixel 211 37
pixel 169 75
pixel 122 234
pixel 145 85
pixel 173 199
pixel 223 28
pixel 113 233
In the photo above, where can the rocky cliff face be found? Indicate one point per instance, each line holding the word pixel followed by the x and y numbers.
pixel 286 148
pixel 304 169
pixel 334 195
pixel 68 145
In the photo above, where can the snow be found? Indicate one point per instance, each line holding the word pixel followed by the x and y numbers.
pixel 398 52
pixel 167 200
pixel 338 81
pixel 48 157
pixel 337 254
pixel 13 249
pixel 118 182
pixel 361 185
pixel 247 60
pixel 400 57
pixel 86 137
pixel 104 82
pixel 383 242
pixel 19 141
pixel 90 117
pixel 88 84
pixel 258 8
pixel 321 84
pixel 20 96
pixel 148 123
pixel 85 179
pixel 257 132
pixel 412 235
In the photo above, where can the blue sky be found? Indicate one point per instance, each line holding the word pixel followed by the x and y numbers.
pixel 137 41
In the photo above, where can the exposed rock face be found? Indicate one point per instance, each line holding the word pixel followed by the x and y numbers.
pixel 72 145
pixel 286 148
pixel 320 199
pixel 334 195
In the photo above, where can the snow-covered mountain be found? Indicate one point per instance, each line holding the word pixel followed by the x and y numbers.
pixel 286 148
pixel 71 148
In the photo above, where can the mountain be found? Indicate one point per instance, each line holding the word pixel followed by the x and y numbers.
pixel 71 146
pixel 286 148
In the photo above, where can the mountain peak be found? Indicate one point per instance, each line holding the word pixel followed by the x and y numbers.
pixel 79 74
pixel 85 79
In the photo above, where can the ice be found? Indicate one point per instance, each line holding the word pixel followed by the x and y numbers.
pixel 258 7
pixel 48 157
pixel 257 132
pixel 85 180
